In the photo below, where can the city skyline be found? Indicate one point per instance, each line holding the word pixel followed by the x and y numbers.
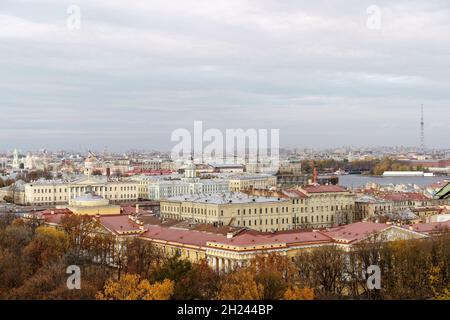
pixel 132 74
pixel 224 155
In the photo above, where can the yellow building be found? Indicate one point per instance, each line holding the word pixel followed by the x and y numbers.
pixel 231 209
pixel 91 204
pixel 255 181
pixel 315 207
pixel 225 248
pixel 52 192
pixel 226 251
pixel 328 205
pixel 312 207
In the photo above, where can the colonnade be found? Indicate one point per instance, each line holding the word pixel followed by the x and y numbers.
pixel 225 265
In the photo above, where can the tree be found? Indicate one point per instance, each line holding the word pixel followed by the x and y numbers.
pixel 173 268
pixel 160 290
pixel 240 285
pixel 199 283
pixel 299 294
pixel 14 238
pixel 97 172
pixel 36 175
pixel 141 257
pixel 79 230
pixel 266 277
pixel 132 287
pixel 8 199
pixel 275 273
pixel 6 219
pixel 50 283
pixel 47 246
pixel 324 269
pixel 444 295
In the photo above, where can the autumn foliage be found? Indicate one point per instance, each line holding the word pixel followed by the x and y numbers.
pixel 132 287
pixel 34 258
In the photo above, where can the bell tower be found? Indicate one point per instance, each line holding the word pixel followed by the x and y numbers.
pixel 15 163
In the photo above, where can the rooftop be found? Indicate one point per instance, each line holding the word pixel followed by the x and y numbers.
pixel 121 224
pixel 405 196
pixel 433 227
pixel 324 189
pixel 225 198
pixel 356 231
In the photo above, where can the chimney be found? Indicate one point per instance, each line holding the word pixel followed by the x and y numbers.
pixel 315 176
pixel 230 235
pixel 137 208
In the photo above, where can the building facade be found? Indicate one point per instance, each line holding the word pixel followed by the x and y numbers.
pixel 252 181
pixel 231 209
pixel 190 184
pixel 53 192
pixel 367 207
pixel 265 210
pixel 225 249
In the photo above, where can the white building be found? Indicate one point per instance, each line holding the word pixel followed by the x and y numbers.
pixel 52 192
pixel 188 185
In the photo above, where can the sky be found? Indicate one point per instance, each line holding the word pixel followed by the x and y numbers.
pixel 325 73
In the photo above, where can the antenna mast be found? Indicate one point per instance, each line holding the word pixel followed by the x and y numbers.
pixel 422 133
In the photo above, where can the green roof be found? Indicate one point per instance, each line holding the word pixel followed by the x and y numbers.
pixel 444 193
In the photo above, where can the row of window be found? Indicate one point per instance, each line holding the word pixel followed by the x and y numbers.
pixel 50 190
pixel 266 210
pixel 248 222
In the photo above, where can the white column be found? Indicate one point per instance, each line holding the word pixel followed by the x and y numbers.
pixel 214 263
pixel 227 265
pixel 220 265
pixel 208 261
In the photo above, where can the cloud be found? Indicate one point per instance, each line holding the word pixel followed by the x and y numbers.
pixel 137 70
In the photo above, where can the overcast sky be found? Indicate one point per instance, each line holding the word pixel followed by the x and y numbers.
pixel 137 70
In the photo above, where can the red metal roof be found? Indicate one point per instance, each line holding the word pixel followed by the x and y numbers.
pixel 184 236
pixel 356 231
pixel 243 239
pixel 119 223
pixel 429 227
pixel 405 196
pixel 294 193
pixel 289 237
pixel 324 189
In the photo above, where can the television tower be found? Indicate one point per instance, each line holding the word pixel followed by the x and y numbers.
pixel 422 133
